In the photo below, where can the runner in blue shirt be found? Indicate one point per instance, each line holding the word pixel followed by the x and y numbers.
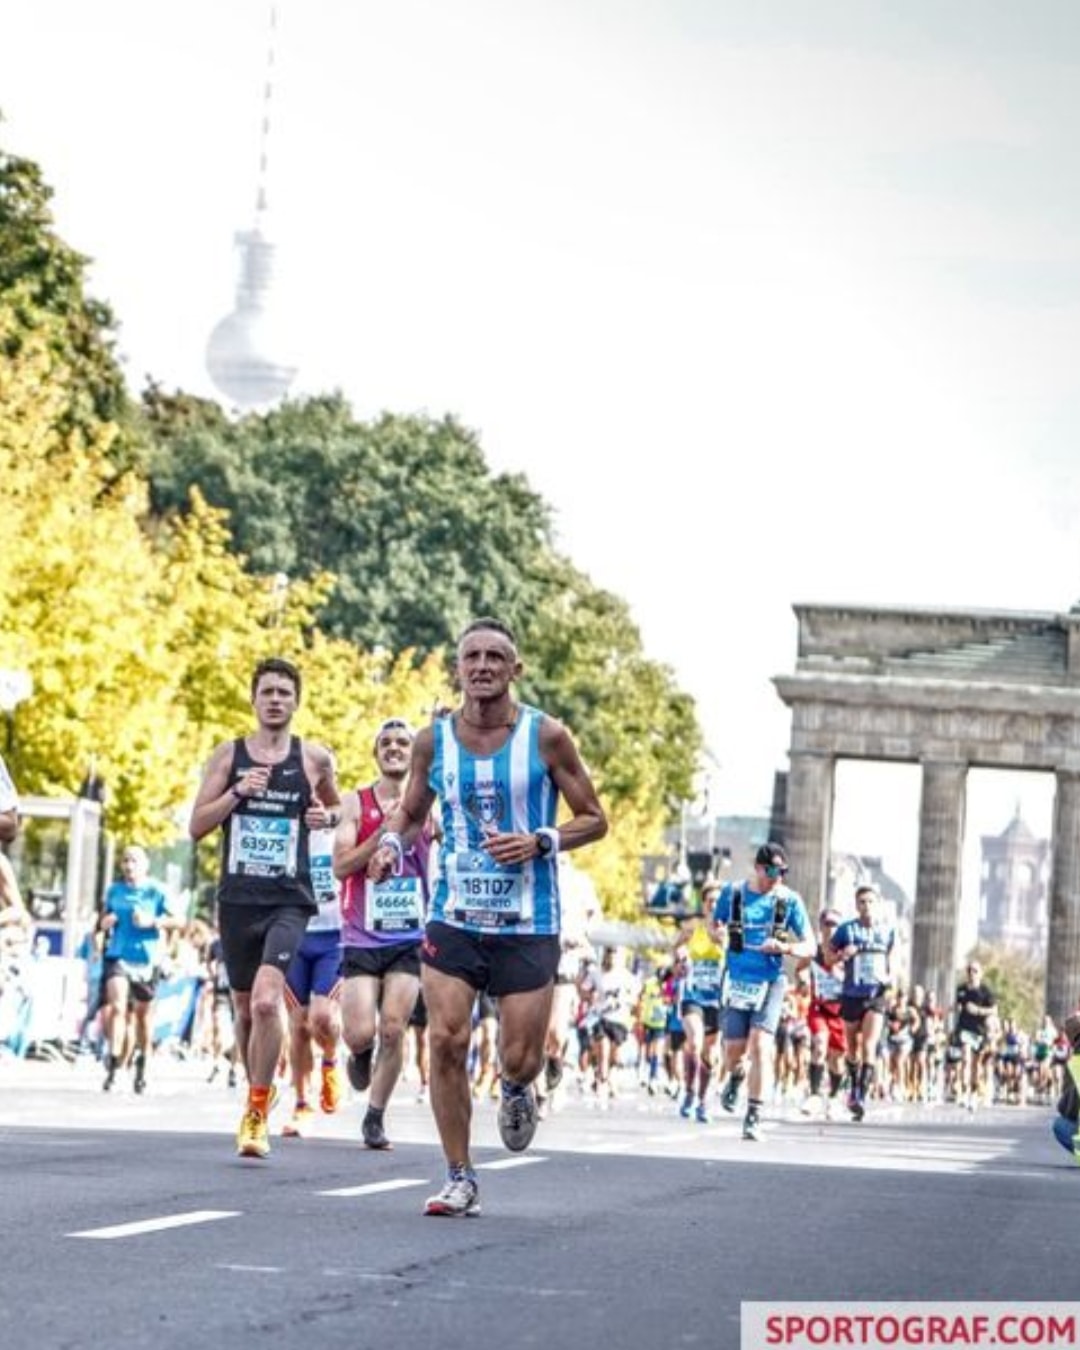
pixel 764 922
pixel 864 944
pixel 135 916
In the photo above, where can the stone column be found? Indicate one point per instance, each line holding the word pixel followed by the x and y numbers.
pixel 808 824
pixel 1063 939
pixel 937 885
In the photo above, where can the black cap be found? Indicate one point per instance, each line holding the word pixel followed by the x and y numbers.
pixel 770 854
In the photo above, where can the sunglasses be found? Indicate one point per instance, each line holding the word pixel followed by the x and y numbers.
pixel 394 724
pixel 773 870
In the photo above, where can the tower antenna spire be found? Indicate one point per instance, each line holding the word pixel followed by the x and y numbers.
pixel 246 355
pixel 262 182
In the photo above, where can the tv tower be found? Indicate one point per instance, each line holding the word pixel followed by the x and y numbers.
pixel 248 354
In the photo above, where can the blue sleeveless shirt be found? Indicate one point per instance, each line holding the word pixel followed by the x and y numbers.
pixel 510 790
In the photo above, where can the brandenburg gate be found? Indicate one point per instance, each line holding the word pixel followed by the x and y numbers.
pixel 949 690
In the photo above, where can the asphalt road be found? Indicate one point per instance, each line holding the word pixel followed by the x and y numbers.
pixel 128 1221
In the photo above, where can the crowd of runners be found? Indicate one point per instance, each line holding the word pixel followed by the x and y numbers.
pixel 417 925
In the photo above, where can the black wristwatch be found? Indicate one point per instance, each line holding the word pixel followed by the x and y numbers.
pixel 547 843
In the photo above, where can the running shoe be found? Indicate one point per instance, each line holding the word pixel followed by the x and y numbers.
pixel 687 1106
pixel 253 1136
pixel 701 1115
pixel 358 1067
pixel 330 1092
pixel 752 1129
pixel 458 1199
pixel 517 1120
pixel 139 1085
pixel 553 1072
pixel 814 1105
pixel 858 1108
pixel 110 1073
pixel 374 1134
pixel 298 1125
pixel 729 1093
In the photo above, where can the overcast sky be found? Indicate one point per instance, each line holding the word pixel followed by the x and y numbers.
pixel 773 302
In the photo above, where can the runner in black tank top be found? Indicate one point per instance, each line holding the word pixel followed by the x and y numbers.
pixel 264 846
pixel 265 792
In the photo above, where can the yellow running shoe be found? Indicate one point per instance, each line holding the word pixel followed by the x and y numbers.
pixel 253 1136
pixel 300 1123
pixel 330 1093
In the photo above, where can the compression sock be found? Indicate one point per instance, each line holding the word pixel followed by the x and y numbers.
pixel 690 1070
pixel 259 1100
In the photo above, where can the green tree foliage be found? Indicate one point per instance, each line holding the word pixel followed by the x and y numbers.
pixel 586 662
pixel 41 277
pixel 418 535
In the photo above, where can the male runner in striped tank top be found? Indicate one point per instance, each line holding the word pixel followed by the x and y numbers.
pixel 497 769
pixel 266 792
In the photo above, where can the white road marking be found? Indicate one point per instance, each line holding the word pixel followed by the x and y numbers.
pixel 502 1164
pixel 122 1230
pixel 377 1187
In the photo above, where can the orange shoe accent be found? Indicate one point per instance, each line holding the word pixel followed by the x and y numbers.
pixel 259 1099
pixel 330 1093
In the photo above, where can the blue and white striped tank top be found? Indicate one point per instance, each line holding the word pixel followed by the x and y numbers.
pixel 508 791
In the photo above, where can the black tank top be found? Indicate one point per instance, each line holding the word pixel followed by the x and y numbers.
pixel 264 845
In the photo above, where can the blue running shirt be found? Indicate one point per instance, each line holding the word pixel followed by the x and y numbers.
pixel 508 791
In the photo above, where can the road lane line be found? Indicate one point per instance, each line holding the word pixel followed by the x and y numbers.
pixel 503 1164
pixel 376 1187
pixel 122 1230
